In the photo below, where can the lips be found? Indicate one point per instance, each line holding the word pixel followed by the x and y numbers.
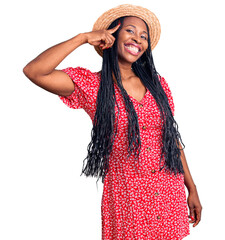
pixel 132 48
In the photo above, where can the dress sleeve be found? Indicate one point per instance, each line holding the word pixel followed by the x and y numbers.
pixel 84 83
pixel 168 93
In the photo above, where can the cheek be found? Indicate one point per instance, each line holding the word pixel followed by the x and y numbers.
pixel 146 46
pixel 119 46
pixel 119 49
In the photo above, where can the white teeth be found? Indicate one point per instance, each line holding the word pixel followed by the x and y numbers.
pixel 133 48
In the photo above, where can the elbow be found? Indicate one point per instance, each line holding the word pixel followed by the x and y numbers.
pixel 29 72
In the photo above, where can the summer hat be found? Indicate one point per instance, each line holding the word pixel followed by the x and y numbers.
pixel 104 21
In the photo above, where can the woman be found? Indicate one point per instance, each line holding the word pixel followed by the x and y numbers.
pixel 135 146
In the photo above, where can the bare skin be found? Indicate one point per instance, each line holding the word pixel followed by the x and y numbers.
pixel 42 71
pixel 134 31
pixel 195 207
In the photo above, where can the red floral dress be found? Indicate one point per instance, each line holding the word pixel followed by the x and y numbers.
pixel 139 202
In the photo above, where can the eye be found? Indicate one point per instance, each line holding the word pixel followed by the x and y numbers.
pixel 130 30
pixel 144 37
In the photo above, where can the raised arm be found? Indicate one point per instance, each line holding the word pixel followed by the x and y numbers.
pixel 193 198
pixel 42 72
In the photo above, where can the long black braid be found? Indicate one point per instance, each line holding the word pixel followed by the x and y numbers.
pixel 104 128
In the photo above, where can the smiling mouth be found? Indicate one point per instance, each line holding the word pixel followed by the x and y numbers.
pixel 132 49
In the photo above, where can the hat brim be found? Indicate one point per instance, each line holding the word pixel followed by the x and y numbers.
pixel 104 21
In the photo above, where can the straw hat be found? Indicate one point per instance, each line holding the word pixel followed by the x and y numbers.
pixel 104 21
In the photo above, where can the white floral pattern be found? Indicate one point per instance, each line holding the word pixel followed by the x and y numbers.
pixel 139 202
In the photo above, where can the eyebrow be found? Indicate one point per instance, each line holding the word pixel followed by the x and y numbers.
pixel 135 27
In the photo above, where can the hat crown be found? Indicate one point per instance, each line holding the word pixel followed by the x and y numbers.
pixel 104 21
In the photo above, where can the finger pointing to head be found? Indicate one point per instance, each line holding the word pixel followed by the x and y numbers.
pixel 114 29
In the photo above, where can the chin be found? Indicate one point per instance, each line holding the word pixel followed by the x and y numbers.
pixel 130 59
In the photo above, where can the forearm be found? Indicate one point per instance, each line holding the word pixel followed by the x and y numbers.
pixel 188 181
pixel 47 61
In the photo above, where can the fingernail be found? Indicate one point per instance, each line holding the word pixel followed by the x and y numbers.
pixel 192 218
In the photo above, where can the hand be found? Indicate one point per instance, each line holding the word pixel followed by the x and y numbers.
pixel 195 207
pixel 102 38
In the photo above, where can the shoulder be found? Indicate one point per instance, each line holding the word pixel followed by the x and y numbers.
pixel 162 80
pixel 80 72
pixel 164 84
pixel 168 92
pixel 86 85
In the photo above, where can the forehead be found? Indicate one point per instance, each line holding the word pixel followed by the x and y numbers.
pixel 135 21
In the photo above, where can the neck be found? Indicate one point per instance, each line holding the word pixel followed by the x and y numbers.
pixel 125 70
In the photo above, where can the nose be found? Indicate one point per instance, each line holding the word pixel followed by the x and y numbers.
pixel 136 39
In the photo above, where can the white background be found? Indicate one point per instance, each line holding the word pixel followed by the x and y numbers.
pixel 43 142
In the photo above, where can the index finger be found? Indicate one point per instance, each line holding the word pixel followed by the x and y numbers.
pixel 114 29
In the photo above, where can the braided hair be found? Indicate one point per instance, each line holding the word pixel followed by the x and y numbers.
pixel 104 128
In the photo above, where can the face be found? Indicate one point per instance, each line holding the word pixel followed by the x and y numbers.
pixel 132 40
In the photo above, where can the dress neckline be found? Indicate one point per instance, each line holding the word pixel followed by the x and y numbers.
pixel 131 97
pixel 139 102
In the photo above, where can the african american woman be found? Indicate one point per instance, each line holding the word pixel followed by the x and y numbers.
pixel 135 145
